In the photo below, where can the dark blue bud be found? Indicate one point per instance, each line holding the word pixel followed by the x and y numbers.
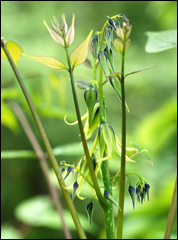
pixel 124 17
pixel 93 161
pixel 89 209
pixel 131 191
pixel 111 22
pixel 69 170
pixel 117 24
pixel 94 45
pixel 142 197
pixel 75 186
pixel 138 192
pixel 108 196
pixel 147 188
pixel 62 171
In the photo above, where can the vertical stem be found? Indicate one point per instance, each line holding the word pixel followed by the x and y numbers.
pixel 122 175
pixel 47 145
pixel 172 212
pixel 85 147
pixel 108 213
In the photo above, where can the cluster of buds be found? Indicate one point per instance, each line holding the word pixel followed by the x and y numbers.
pixel 142 190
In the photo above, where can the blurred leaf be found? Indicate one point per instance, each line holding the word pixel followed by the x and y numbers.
pixel 80 53
pixel 82 84
pixel 161 41
pixel 156 130
pixel 39 211
pixel 10 232
pixel 8 118
pixel 48 61
pixel 14 50
pixel 55 112
pixel 10 154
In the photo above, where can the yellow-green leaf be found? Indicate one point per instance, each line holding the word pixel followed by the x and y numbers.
pixel 14 50
pixel 49 61
pixel 79 54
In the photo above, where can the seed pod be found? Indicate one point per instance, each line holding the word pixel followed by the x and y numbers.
pixel 89 209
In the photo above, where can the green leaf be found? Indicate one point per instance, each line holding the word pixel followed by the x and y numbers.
pixel 80 53
pixel 115 83
pixel 161 41
pixel 48 61
pixel 14 50
pixel 140 70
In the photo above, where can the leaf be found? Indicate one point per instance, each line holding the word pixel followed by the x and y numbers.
pixel 140 70
pixel 161 41
pixel 49 61
pixel 14 50
pixel 80 53
pixel 115 83
pixel 70 33
pixel 54 35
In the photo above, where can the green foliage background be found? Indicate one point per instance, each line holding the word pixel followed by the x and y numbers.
pixel 151 96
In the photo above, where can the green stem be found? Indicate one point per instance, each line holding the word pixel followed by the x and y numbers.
pixel 47 145
pixel 172 212
pixel 108 213
pixel 122 175
pixel 85 147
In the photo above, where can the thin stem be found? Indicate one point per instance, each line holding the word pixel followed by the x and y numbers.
pixel 85 147
pixel 123 152
pixel 47 145
pixel 172 212
pixel 43 163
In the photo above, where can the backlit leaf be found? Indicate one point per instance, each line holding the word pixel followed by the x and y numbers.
pixel 160 41
pixel 80 53
pixel 140 70
pixel 14 50
pixel 54 35
pixel 49 61
pixel 70 33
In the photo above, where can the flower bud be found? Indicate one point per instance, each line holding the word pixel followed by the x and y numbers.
pixel 138 192
pixel 108 37
pixel 90 96
pixel 111 22
pixel 147 188
pixel 69 170
pixel 102 58
pixel 108 196
pixel 75 186
pixel 106 136
pixel 110 56
pixel 89 209
pixel 131 191
pixel 62 171
pixel 94 46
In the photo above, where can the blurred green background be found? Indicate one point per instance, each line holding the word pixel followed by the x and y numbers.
pixel 151 123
